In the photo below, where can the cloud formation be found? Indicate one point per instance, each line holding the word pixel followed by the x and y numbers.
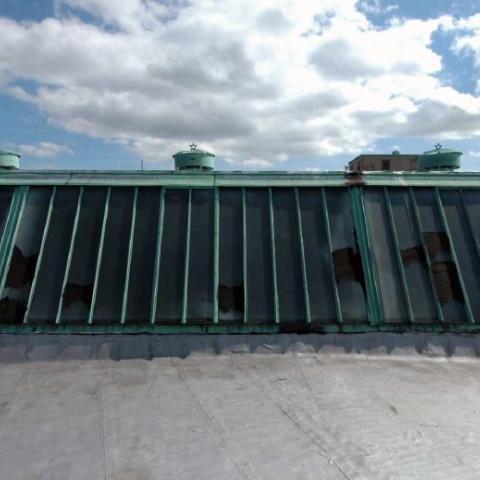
pixel 43 149
pixel 256 82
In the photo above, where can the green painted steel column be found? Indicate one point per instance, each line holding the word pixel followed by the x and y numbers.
pixel 276 310
pixel 443 218
pixel 158 252
pixel 131 239
pixel 306 295
pixel 419 227
pixel 326 219
pixel 40 255
pixel 245 258
pixel 11 230
pixel 398 255
pixel 216 252
pixel 69 256
pixel 99 255
pixel 187 259
pixel 374 310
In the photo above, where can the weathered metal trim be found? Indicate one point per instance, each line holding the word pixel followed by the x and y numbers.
pixel 326 218
pixel 216 252
pixel 245 258
pixel 419 228
pixel 398 255
pixel 99 256
pixel 128 266
pixel 158 252
pixel 70 254
pixel 187 259
pixel 9 218
pixel 443 218
pixel 359 215
pixel 40 255
pixel 308 317
pixel 11 231
pixel 276 309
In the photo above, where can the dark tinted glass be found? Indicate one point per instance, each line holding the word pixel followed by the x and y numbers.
pixel 172 261
pixel 291 296
pixel 259 257
pixel 200 272
pixel 318 259
pixel 346 258
pixel 388 274
pixel 143 255
pixel 447 284
pixel 52 268
pixel 413 257
pixel 24 256
pixel 6 195
pixel 111 280
pixel 77 297
pixel 464 245
pixel 230 292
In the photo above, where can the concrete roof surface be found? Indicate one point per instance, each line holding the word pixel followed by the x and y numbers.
pixel 241 416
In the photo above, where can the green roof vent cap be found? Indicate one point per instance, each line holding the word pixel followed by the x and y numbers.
pixel 439 159
pixel 194 159
pixel 9 160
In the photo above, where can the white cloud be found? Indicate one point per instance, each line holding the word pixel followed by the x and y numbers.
pixel 43 149
pixel 255 82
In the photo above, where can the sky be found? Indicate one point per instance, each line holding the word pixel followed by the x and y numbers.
pixel 263 84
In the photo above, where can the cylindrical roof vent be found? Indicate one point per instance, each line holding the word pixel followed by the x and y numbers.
pixel 9 160
pixel 439 159
pixel 194 159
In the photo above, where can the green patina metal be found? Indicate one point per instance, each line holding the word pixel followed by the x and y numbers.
pixel 9 160
pixel 356 185
pixel 439 159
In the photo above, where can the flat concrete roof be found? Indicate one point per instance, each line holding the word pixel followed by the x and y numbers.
pixel 300 407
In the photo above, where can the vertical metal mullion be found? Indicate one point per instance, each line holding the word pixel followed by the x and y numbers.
pixel 14 225
pixel 216 252
pixel 308 317
pixel 419 227
pixel 99 255
pixel 187 259
pixel 453 253
pixel 274 257
pixel 8 222
pixel 470 224
pixel 245 258
pixel 70 254
pixel 129 256
pixel 40 255
pixel 398 255
pixel 158 252
pixel 326 219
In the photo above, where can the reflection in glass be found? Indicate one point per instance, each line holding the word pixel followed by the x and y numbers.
pixel 230 293
pixel 447 284
pixel 200 271
pixel 111 280
pixel 413 258
pixel 463 243
pixel 172 260
pixel 24 256
pixel 388 275
pixel 347 262
pixel 143 255
pixel 54 259
pixel 259 257
pixel 291 297
pixel 77 297
pixel 317 256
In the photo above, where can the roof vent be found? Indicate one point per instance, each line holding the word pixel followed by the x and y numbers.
pixel 9 160
pixel 194 159
pixel 439 159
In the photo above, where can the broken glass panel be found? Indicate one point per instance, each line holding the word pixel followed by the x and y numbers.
pixel 54 259
pixel 317 256
pixel 23 260
pixel 347 262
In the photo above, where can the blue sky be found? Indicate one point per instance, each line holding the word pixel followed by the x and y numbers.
pixel 281 85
